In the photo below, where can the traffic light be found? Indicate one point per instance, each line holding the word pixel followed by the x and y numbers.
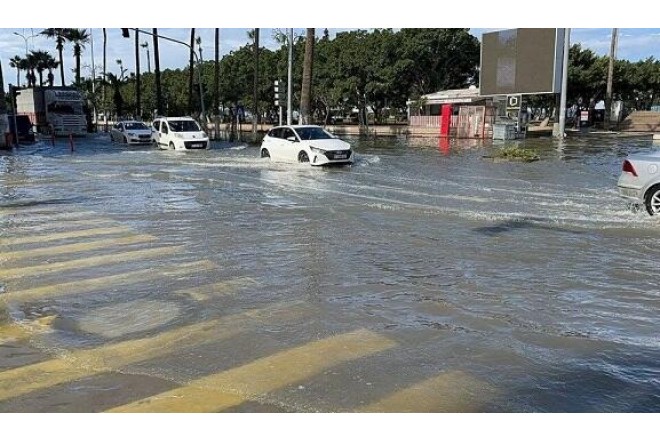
pixel 125 33
pixel 277 92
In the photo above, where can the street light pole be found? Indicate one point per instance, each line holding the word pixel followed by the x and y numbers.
pixel 289 93
pixel 564 84
pixel 199 70
pixel 26 41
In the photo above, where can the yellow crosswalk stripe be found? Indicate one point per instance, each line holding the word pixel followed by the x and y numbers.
pixel 88 262
pixel 79 364
pixel 235 386
pixel 60 236
pixel 202 293
pixel 452 391
pixel 76 247
pixel 87 285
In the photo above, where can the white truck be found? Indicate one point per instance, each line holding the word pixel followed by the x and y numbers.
pixel 57 110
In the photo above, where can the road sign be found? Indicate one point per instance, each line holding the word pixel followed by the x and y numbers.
pixel 513 102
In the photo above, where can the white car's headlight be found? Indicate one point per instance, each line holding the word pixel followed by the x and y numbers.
pixel 178 135
pixel 131 134
pixel 316 149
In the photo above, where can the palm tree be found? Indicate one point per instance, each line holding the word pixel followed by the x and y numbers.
pixel 51 64
pixel 79 37
pixel 31 61
pixel 59 34
pixel 190 76
pixel 159 91
pixel 306 92
pixel 40 60
pixel 16 64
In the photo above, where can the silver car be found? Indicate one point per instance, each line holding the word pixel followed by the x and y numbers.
pixel 640 180
pixel 131 132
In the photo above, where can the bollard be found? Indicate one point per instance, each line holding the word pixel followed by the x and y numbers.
pixel 71 142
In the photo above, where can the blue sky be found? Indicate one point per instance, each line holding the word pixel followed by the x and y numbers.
pixel 635 43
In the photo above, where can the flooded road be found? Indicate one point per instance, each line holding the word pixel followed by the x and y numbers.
pixel 424 278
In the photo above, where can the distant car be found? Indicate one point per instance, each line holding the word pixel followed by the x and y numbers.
pixel 131 132
pixel 308 144
pixel 639 181
pixel 178 133
pixel 25 131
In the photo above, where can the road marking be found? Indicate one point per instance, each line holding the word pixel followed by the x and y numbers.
pixel 452 391
pixel 76 247
pixel 79 364
pixel 66 235
pixel 235 386
pixel 203 293
pixel 80 286
pixel 15 273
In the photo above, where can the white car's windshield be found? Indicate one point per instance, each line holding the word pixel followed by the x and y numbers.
pixel 311 133
pixel 136 126
pixel 184 126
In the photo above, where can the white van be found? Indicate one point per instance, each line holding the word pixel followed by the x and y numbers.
pixel 178 133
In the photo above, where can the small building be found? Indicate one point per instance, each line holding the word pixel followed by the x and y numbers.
pixel 456 113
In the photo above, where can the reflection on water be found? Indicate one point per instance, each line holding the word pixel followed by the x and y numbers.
pixel 534 281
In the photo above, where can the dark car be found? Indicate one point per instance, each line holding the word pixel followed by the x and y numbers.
pixel 25 131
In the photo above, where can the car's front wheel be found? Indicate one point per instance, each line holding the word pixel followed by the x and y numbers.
pixel 172 146
pixel 652 200
pixel 265 153
pixel 302 157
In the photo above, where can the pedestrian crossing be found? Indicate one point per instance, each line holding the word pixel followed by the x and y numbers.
pixel 64 245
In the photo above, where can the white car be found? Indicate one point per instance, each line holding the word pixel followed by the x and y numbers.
pixel 131 132
pixel 639 181
pixel 178 133
pixel 309 144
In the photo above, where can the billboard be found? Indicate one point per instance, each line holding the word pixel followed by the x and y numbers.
pixel 521 61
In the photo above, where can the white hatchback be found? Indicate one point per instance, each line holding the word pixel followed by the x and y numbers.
pixel 178 133
pixel 308 144
pixel 131 132
pixel 639 181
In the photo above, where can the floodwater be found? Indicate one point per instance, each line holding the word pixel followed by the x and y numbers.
pixel 424 278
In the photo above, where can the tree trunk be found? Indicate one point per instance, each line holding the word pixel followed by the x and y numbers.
pixel 191 71
pixel 255 89
pixel 306 92
pixel 59 50
pixel 138 96
pixel 78 66
pixel 159 91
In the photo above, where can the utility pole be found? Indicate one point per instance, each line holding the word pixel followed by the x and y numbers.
pixel 289 93
pixel 564 84
pixel 610 75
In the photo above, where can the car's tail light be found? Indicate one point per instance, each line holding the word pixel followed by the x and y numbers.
pixel 628 167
